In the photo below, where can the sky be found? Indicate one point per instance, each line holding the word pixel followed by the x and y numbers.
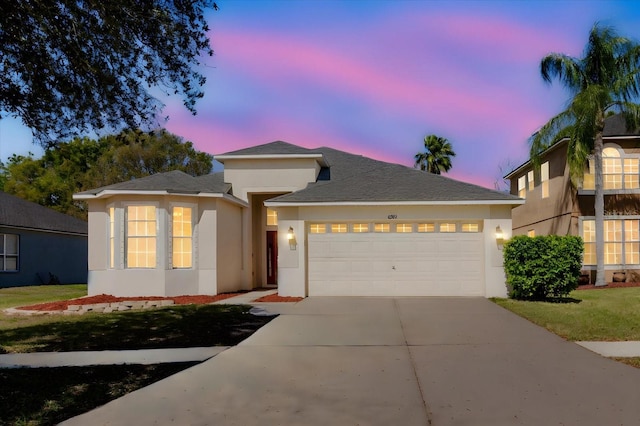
pixel 375 77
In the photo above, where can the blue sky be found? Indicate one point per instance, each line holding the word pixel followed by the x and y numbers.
pixel 375 77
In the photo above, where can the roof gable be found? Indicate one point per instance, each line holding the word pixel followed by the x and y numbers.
pixel 19 213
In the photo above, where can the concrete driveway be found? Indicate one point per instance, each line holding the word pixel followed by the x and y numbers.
pixel 390 361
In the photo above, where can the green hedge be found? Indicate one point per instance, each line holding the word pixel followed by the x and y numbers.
pixel 542 267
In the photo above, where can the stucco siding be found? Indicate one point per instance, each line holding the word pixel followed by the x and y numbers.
pixel 229 242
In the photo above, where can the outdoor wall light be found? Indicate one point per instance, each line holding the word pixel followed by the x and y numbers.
pixel 499 237
pixel 292 239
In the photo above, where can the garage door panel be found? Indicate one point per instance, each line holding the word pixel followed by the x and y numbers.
pixel 390 264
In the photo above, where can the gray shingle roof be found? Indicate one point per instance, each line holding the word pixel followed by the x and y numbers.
pixel 361 179
pixel 617 126
pixel 16 212
pixel 272 148
pixel 172 182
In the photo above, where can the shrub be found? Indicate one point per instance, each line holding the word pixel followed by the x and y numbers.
pixel 542 267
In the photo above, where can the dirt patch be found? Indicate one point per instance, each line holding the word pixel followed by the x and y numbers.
pixel 608 285
pixel 107 298
pixel 277 298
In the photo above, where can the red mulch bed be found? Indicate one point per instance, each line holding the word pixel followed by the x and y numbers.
pixel 608 285
pixel 277 298
pixel 107 298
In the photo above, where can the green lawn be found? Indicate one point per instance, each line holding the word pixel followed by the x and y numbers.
pixel 600 315
pixel 31 295
pixel 47 396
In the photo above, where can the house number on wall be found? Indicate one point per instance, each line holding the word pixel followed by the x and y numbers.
pixel 392 216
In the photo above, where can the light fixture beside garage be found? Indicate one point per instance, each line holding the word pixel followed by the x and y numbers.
pixel 291 236
pixel 499 237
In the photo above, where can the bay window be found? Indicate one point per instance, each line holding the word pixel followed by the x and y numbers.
pixel 140 236
pixel 182 237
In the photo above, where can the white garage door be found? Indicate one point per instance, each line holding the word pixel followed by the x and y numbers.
pixel 396 264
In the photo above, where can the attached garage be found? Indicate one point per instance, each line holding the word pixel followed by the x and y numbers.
pixel 396 264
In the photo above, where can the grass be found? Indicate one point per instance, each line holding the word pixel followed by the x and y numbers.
pixel 30 295
pixel 596 315
pixel 47 396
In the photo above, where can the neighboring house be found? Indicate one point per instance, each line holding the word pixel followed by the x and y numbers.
pixel 554 206
pixel 309 221
pixel 39 245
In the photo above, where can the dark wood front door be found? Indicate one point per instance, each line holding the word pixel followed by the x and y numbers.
pixel 272 257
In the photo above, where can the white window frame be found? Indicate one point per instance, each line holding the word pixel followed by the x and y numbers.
pixel 4 255
pixel 125 236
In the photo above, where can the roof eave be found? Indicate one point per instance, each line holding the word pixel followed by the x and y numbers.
pixel 515 202
pixel 319 157
pixel 110 193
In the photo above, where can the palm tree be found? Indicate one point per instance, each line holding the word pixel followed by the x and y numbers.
pixel 605 79
pixel 436 157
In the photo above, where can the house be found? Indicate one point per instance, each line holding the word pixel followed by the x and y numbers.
pixel 554 206
pixel 309 221
pixel 39 245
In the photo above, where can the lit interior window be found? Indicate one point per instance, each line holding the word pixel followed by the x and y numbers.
pixel 404 227
pixel 337 228
pixel 182 237
pixel 470 227
pixel 447 227
pixel 360 227
pixel 381 227
pixel 272 217
pixel 426 227
pixel 141 237
pixel 317 228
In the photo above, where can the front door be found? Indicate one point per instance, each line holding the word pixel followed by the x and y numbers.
pixel 272 257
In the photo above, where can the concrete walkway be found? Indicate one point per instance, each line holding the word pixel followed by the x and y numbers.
pixel 382 361
pixel 81 359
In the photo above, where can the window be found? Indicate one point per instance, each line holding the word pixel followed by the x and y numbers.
pixel 611 169
pixel 531 233
pixel 522 188
pixel 9 247
pixel 404 227
pixel 112 237
pixel 617 172
pixel 182 237
pixel 140 236
pixel 360 227
pixel 621 242
pixel 544 179
pixel 381 227
pixel 317 228
pixel 589 238
pixel 426 227
pixel 447 227
pixel 272 217
pixel 338 227
pixel 530 180
pixel 470 227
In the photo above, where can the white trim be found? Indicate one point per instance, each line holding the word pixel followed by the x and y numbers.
pixel 49 231
pixel 393 203
pixel 223 157
pixel 112 192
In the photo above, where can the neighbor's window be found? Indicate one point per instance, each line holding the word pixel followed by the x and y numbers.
pixel 140 236
pixel 470 227
pixel 182 237
pixel 338 227
pixel 611 169
pixel 9 252
pixel 317 228
pixel 530 180
pixel 621 242
pixel 381 227
pixel 272 217
pixel 112 237
pixel 404 227
pixel 544 179
pixel 522 188
pixel 447 227
pixel 360 227
pixel 426 227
